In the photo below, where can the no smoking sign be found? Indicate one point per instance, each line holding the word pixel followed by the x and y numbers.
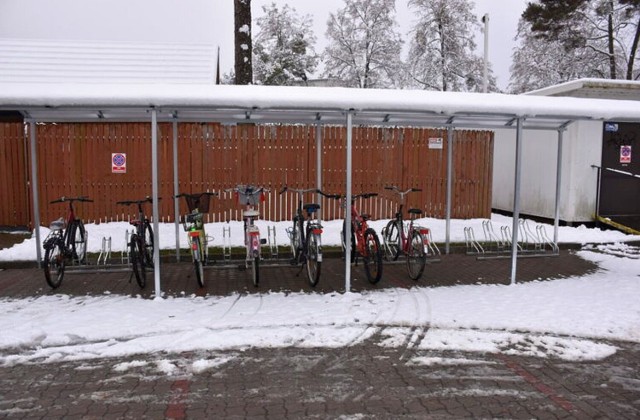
pixel 119 163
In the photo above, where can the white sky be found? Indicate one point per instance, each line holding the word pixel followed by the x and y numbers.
pixel 567 318
pixel 211 22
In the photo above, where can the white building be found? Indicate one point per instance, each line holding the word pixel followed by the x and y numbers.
pixel 587 146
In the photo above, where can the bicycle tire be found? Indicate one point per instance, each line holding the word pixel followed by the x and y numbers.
pixel 391 238
pixel 77 241
pixel 373 258
pixel 343 242
pixel 148 244
pixel 137 261
pixel 314 259
pixel 416 257
pixel 255 271
pixel 197 263
pixel 54 265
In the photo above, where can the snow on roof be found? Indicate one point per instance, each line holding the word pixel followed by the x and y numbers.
pixel 593 88
pixel 301 104
pixel 54 61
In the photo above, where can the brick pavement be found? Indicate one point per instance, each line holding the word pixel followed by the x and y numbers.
pixel 364 380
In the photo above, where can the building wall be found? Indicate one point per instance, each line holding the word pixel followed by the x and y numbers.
pixel 582 144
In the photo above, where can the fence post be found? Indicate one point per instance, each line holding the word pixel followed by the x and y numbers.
pixel 34 191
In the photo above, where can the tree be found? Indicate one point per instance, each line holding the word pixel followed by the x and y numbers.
pixel 242 37
pixel 539 62
pixel 364 49
pixel 442 49
pixel 610 28
pixel 283 52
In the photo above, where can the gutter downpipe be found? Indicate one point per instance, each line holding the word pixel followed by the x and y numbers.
pixel 156 212
pixel 449 185
pixel 176 187
pixel 347 211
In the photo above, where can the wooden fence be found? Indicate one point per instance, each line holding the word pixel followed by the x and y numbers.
pixel 75 159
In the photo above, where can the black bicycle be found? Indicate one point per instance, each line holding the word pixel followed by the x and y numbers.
pixel 140 243
pixel 306 240
pixel 64 244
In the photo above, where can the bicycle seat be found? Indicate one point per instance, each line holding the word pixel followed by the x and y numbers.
pixel 57 224
pixel 311 207
pixel 365 216
pixel 250 213
pixel 415 211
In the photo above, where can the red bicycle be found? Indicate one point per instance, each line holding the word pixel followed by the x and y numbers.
pixel 64 244
pixel 364 240
pixel 409 240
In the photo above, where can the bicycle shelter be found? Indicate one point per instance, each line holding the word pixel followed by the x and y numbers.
pixel 56 103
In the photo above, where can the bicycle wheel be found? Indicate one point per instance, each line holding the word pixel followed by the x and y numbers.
pixel 54 264
pixel 416 257
pixel 137 261
pixel 148 240
pixel 77 241
pixel 373 258
pixel 391 238
pixel 344 242
pixel 314 258
pixel 197 262
pixel 255 268
pixel 296 240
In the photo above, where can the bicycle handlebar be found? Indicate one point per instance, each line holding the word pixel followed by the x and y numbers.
pixel 397 190
pixel 130 202
pixel 195 195
pixel 298 190
pixel 63 199
pixel 353 197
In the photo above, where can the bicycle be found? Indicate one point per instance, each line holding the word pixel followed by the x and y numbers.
pixel 140 243
pixel 364 240
pixel 408 240
pixel 306 244
pixel 198 205
pixel 62 245
pixel 249 196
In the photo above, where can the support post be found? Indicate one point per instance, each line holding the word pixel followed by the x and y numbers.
pixel 449 185
pixel 347 211
pixel 516 202
pixel 34 191
pixel 319 166
pixel 156 212
pixel 556 219
pixel 176 187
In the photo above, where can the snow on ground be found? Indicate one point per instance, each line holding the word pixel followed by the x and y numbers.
pixel 573 319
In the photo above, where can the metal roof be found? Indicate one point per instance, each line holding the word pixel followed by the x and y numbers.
pixel 304 105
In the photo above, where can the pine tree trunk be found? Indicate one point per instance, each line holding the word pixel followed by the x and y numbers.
pixel 243 48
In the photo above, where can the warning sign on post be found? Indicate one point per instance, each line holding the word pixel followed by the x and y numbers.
pixel 435 143
pixel 119 163
pixel 625 154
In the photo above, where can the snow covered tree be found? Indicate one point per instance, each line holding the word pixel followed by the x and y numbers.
pixel 242 41
pixel 284 47
pixel 538 62
pixel 364 48
pixel 442 47
pixel 609 28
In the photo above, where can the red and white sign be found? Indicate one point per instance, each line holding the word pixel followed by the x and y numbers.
pixel 625 154
pixel 435 143
pixel 119 163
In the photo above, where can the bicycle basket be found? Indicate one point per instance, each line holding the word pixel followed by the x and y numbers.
pixel 200 202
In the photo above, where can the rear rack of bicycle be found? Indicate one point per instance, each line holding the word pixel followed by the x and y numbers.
pixel 495 246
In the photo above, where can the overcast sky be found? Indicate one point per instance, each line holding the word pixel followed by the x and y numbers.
pixel 211 22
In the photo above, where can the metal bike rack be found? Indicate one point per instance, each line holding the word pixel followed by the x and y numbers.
pixel 226 242
pixel 273 245
pixel 105 251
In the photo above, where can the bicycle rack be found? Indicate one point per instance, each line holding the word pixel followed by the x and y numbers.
pixel 226 242
pixel 105 252
pixel 207 240
pixel 530 244
pixel 273 245
pixel 473 246
pixel 124 255
pixel 431 247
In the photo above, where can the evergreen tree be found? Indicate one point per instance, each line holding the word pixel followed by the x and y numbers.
pixel 364 49
pixel 442 50
pixel 284 47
